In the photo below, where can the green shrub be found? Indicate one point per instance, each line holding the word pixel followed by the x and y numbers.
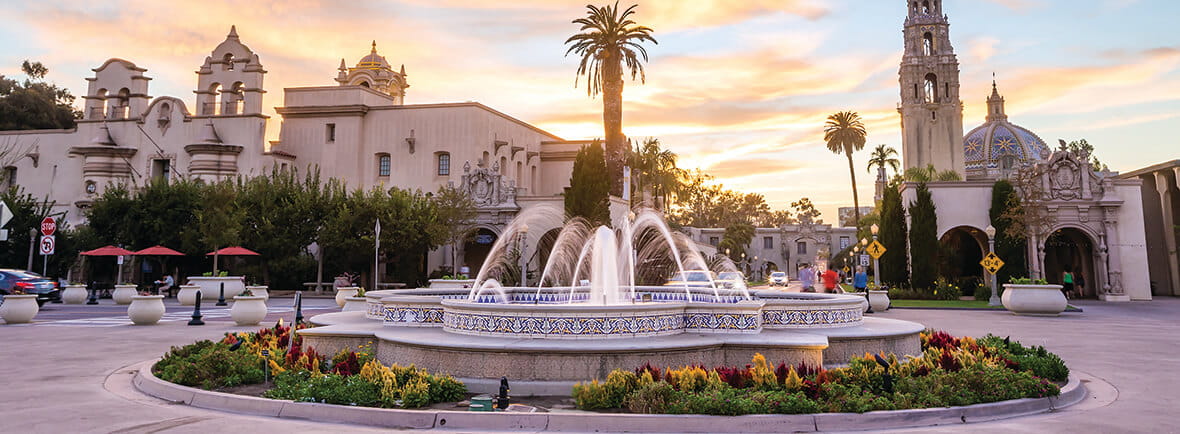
pixel 609 394
pixel 1038 360
pixel 210 366
pixel 328 389
pixel 652 398
pixel 725 401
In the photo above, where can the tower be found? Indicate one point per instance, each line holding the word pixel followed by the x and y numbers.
pixel 931 113
pixel 230 80
pixel 374 72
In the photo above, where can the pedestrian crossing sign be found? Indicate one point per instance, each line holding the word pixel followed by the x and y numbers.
pixel 876 249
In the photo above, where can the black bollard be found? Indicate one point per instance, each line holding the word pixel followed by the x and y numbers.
pixel 197 312
pixel 298 308
pixel 502 402
pixel 221 296
pixel 93 293
pixel 867 301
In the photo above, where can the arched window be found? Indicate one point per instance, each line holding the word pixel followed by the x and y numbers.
pixel 232 99
pixel 486 160
pixel 535 185
pixel 927 44
pixel 503 165
pixel 931 88
pixel 917 95
pixel 365 83
pixel 229 61
pixel 383 164
pixel 9 180
pixel 118 108
pixel 99 110
pixel 925 7
pixel 519 174
pixel 444 164
pixel 209 106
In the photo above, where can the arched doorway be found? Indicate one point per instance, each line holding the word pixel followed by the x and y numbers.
pixel 961 250
pixel 545 247
pixel 1071 249
pixel 476 249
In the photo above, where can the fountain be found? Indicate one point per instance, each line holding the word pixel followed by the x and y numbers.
pixel 587 313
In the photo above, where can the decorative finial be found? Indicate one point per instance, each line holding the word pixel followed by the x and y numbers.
pixel 374 47
pixel 993 80
pixel 403 70
pixel 233 32
pixel 342 66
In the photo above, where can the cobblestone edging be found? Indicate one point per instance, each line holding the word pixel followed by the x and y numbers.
pixel 147 383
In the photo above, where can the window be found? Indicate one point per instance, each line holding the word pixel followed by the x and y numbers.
pixel 383 163
pixel 925 7
pixel 330 133
pixel 801 247
pixel 927 44
pixel 767 243
pixel 444 164
pixel 845 242
pixel 519 175
pixel 931 88
pixel 714 241
pixel 229 61
pixel 9 177
pixel 162 169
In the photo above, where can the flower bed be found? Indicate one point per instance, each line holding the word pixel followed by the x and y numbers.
pixel 302 374
pixel 951 372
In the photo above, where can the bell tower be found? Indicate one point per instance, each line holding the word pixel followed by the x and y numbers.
pixel 931 113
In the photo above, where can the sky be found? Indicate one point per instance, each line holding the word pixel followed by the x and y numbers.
pixel 739 89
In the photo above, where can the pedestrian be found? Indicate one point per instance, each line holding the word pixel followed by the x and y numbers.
pixel 807 278
pixel 1067 282
pixel 1079 283
pixel 831 280
pixel 860 280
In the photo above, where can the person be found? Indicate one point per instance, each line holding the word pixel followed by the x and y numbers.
pixel 860 280
pixel 807 278
pixel 1079 283
pixel 165 284
pixel 1067 282
pixel 831 280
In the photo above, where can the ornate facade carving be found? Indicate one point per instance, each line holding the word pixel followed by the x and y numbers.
pixel 486 186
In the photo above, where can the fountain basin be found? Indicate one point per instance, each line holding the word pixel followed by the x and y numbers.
pixel 563 321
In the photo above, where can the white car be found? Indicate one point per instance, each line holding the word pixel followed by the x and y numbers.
pixel 691 278
pixel 778 278
pixel 730 279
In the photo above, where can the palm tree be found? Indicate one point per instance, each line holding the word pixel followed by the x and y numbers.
pixel 845 133
pixel 655 169
pixel 930 174
pixel 884 156
pixel 609 42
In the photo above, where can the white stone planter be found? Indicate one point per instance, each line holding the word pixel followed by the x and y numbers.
pixel 879 300
pixel 19 309
pixel 344 292
pixel 187 296
pixel 1039 300
pixel 864 301
pixel 146 309
pixel 451 283
pixel 355 304
pixel 210 286
pixel 248 310
pixel 74 294
pixel 259 291
pixel 123 294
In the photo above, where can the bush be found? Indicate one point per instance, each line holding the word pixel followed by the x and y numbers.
pixel 210 366
pixel 1038 360
pixel 652 398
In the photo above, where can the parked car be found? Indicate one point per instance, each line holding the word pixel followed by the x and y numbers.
pixel 778 278
pixel 30 283
pixel 691 278
pixel 730 279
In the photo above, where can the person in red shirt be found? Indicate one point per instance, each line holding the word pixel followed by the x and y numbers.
pixel 831 280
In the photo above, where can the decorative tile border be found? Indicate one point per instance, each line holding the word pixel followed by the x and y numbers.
pixel 413 315
pixel 510 324
pixel 722 322
pixel 818 317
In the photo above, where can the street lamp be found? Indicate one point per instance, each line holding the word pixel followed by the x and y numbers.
pixel 990 230
pixel 32 247
pixel 524 232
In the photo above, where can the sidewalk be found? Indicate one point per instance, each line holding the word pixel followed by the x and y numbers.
pixel 56 378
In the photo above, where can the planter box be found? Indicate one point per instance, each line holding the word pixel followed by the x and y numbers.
pixel 124 293
pixel 345 292
pixel 355 304
pixel 19 309
pixel 187 296
pixel 879 300
pixel 74 294
pixel 146 309
pixel 259 291
pixel 210 286
pixel 1038 300
pixel 248 310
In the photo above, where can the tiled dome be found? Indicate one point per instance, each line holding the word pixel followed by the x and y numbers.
pixel 986 147
pixel 373 60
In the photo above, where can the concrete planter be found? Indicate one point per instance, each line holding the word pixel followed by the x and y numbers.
pixel 1037 300
pixel 344 292
pixel 74 294
pixel 355 304
pixel 187 296
pixel 259 291
pixel 146 309
pixel 234 285
pixel 864 299
pixel 123 294
pixel 451 283
pixel 879 300
pixel 248 310
pixel 19 309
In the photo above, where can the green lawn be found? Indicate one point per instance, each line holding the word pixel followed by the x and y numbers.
pixel 960 304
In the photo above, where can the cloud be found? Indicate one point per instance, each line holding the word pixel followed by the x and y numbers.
pixel 981 49
pixel 730 169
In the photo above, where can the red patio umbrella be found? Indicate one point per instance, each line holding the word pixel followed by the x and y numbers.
pixel 158 251
pixel 234 251
pixel 110 251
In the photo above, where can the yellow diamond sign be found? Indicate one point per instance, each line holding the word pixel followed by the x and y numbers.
pixel 876 249
pixel 991 263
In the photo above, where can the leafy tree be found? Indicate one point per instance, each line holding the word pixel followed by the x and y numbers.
pixel 893 236
pixel 806 211
pixel 610 42
pixel 1085 148
pixel 285 212
pixel 845 133
pixel 1010 249
pixel 456 213
pixel 588 195
pixel 112 219
pixel 735 239
pixel 923 239
pixel 34 104
pixel 27 213
pixel 776 218
pixel 703 204
pixel 167 213
pixel 408 231
pixel 220 219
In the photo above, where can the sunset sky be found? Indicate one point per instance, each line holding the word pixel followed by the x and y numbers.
pixel 738 88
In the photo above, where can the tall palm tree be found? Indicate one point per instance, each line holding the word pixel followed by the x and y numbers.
pixel 845 133
pixel 610 42
pixel 884 156
pixel 656 169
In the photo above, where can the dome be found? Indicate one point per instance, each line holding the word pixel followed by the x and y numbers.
pixel 373 60
pixel 998 145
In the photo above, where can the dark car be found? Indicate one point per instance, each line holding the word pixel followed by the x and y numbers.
pixel 29 283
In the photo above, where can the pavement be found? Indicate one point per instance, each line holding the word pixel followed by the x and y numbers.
pixel 69 371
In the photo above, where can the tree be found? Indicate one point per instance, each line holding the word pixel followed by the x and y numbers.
pixel 35 104
pixel 285 212
pixel 883 156
pixel 456 212
pixel 845 133
pixel 27 213
pixel 894 267
pixel 805 211
pixel 923 239
pixel 1027 219
pixel 220 219
pixel 1011 249
pixel 588 194
pixel 930 174
pixel 1086 150
pixel 408 231
pixel 654 169
pixel 735 239
pixel 610 42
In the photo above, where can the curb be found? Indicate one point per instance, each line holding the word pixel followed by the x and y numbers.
pixel 146 382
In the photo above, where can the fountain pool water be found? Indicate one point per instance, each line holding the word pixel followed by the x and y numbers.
pixel 560 328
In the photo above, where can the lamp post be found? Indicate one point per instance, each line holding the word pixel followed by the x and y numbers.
pixel 524 232
pixel 990 230
pixel 32 247
pixel 876 263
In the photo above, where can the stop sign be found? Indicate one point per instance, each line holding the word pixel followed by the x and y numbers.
pixel 48 226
